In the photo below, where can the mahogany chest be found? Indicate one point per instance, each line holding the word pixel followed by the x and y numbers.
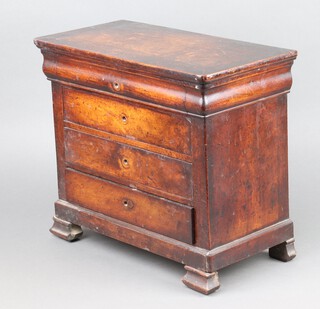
pixel 173 142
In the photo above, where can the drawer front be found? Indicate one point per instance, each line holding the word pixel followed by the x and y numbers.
pixel 129 205
pixel 122 117
pixel 103 158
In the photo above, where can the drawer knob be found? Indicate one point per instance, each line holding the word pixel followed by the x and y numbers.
pixel 125 163
pixel 127 204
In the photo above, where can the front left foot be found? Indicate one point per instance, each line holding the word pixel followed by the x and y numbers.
pixel 65 229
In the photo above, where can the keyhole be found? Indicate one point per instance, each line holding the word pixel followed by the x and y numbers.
pixel 127 204
pixel 125 162
pixel 124 118
pixel 116 86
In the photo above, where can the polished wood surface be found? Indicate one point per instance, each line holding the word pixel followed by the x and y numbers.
pixel 247 168
pixel 106 158
pixel 130 205
pixel 175 53
pixel 206 260
pixel 125 118
pixel 251 70
pixel 173 142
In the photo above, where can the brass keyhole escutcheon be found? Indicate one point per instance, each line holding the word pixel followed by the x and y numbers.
pixel 127 204
pixel 116 85
pixel 125 162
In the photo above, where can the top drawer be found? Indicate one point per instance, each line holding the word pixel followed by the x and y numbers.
pixel 122 117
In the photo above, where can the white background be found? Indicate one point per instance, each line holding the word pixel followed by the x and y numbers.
pixel 38 270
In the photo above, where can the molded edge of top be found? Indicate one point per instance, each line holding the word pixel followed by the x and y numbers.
pixel 160 71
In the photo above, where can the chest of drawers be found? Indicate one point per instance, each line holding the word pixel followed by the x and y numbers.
pixel 173 142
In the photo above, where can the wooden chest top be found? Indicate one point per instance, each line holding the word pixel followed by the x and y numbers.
pixel 169 52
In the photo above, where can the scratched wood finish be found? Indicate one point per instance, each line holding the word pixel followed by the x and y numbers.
pixel 190 129
pixel 169 52
pixel 203 259
pixel 181 75
pixel 103 158
pixel 247 169
pixel 130 205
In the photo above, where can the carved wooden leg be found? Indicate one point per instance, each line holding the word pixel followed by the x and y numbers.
pixel 283 252
pixel 201 281
pixel 65 230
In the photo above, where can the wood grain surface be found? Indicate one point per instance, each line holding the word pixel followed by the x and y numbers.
pixel 175 53
pixel 172 141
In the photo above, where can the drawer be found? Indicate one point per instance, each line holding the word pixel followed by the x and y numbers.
pixel 104 157
pixel 123 117
pixel 130 205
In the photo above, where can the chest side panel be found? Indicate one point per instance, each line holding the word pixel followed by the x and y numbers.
pixel 247 169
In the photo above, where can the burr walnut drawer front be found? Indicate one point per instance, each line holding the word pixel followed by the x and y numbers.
pixel 130 205
pixel 125 118
pixel 132 166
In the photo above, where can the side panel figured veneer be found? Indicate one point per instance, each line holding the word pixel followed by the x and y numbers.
pixel 130 205
pixel 247 168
